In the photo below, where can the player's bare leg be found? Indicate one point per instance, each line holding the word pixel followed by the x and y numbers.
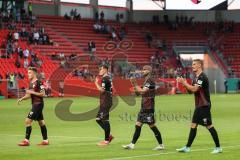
pixel 43 128
pixel 158 136
pixel 138 128
pixel 28 124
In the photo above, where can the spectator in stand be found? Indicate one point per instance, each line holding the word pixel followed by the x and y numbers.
pixel 158 44
pixel 113 35
pixel 63 63
pixel 42 75
pixel 18 16
pixel 16 36
pixel 118 17
pixel 24 33
pixel 25 63
pixel 39 63
pixel 91 47
pixel 72 13
pixel 122 33
pixel 226 86
pixel 20 52
pixel 26 53
pixel 102 17
pixel 97 27
pixel 121 18
pixel 46 39
pixel 77 16
pixel 73 56
pixel 165 18
pixel 41 30
pixel 61 88
pixel 48 88
pixel 17 63
pixel 36 37
pixel 149 39
pixel 11 80
pixel 20 75
pixel 30 9
pixel 7 76
pixel 66 16
pixel 9 50
pixel 10 36
pixel 61 56
pixel 96 16
pixel 11 26
pixel 105 62
pixel 177 19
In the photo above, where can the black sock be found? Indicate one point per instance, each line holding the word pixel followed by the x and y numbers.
pixel 107 130
pixel 44 132
pixel 192 135
pixel 136 134
pixel 157 134
pixel 100 123
pixel 28 132
pixel 214 136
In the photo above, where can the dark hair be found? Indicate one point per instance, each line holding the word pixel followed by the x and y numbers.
pixel 105 66
pixel 34 69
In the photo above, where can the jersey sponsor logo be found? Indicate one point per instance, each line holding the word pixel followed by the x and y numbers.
pixel 199 82
pixel 42 87
pixel 30 114
pixel 103 84
pixel 147 85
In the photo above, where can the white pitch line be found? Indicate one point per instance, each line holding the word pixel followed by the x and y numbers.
pixel 167 153
pixel 71 137
pixel 18 135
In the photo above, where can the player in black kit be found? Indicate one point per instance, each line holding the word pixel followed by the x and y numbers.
pixel 146 114
pixel 105 87
pixel 36 92
pixel 202 113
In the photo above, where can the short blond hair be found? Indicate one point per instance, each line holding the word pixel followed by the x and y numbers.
pixel 199 61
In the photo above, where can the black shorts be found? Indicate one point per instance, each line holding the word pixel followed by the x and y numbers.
pixel 103 113
pixel 146 117
pixel 36 112
pixel 202 116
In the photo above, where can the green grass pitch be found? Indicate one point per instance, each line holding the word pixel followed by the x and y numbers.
pixel 77 140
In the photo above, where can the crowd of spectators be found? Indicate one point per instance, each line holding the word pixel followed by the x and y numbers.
pixel 73 15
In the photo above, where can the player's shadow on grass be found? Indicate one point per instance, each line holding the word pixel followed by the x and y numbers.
pixel 62 111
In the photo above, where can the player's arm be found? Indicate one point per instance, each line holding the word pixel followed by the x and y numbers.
pixel 23 98
pixel 189 87
pixel 100 88
pixel 39 94
pixel 137 88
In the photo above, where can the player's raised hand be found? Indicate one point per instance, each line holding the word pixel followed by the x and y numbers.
pixel 181 80
pixel 133 80
pixel 19 100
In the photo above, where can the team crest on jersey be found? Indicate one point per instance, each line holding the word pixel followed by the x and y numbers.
pixel 199 82
pixel 103 84
pixel 41 87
